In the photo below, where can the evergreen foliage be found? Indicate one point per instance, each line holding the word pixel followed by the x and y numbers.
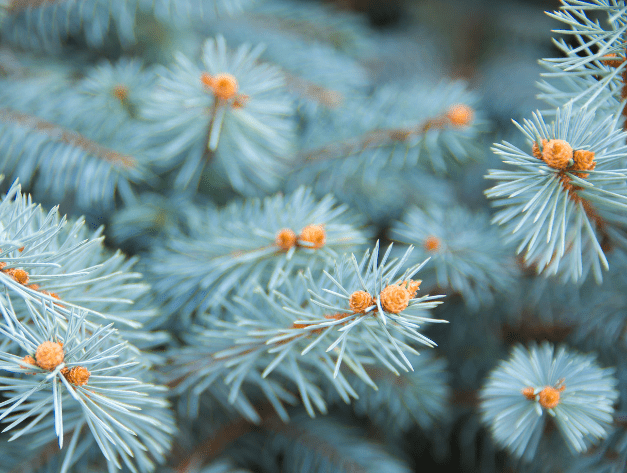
pixel 268 334
pixel 532 385
pixel 246 131
pixel 249 243
pixel 246 161
pixel 455 240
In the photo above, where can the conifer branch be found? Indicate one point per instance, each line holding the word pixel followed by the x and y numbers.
pixel 575 165
pixel 256 243
pixel 457 116
pixel 544 382
pixel 63 135
pixel 376 314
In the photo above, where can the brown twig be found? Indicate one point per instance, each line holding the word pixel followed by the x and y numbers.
pixel 372 139
pixel 304 88
pixel 60 134
pixel 458 115
pixel 317 443
pixel 216 443
pixel 16 6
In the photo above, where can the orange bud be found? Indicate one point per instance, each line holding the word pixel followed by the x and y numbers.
pixel 529 393
pixel 77 376
pixel 49 355
pixel 549 397
pixel 120 92
pixel 431 243
pixel 315 235
pixel 20 276
pixel 460 115
pixel 557 153
pixel 285 239
pixel 360 301
pixel 224 86
pixel 395 298
pixel 584 161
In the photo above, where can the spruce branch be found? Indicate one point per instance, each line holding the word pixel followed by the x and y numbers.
pixel 398 127
pixel 309 90
pixel 231 109
pixel 90 20
pixel 319 446
pixel 324 58
pixel 572 179
pixel 186 13
pixel 116 91
pixel 294 336
pixel 543 381
pixel 69 137
pixel 216 443
pixel 94 22
pixel 151 216
pixel 401 402
pixel 230 251
pixel 380 194
pixel 465 254
pixel 61 161
pixel 263 316
pixel 594 70
pixel 43 257
pixel 311 24
pixel 81 377
pixel 457 116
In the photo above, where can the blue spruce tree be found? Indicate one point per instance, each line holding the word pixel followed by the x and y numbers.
pixel 266 235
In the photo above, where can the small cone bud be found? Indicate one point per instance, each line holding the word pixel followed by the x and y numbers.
pixel 549 397
pixel 224 86
pixel 535 150
pixel 240 101
pixel 285 239
pixel 612 60
pixel 460 115
pixel 29 360
pixel 360 301
pixel 431 243
pixel 394 298
pixel 51 294
pixel 529 393
pixel 120 92
pixel 49 355
pixel 20 276
pixel 336 316
pixel 206 79
pixel 412 286
pixel 584 161
pixel 315 235
pixel 77 375
pixel 557 153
